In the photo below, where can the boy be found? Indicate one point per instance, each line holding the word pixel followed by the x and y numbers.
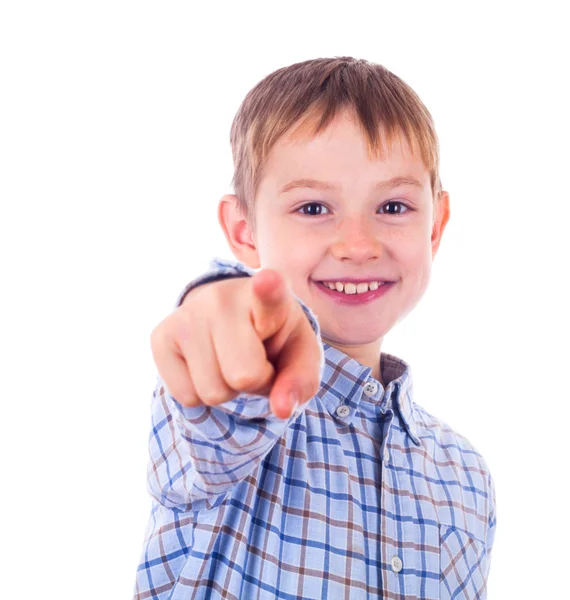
pixel 288 456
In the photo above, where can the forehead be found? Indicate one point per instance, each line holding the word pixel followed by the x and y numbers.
pixel 341 154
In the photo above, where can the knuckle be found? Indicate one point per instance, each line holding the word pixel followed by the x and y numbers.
pixel 184 398
pixel 243 380
pixel 156 335
pixel 221 295
pixel 181 328
pixel 214 397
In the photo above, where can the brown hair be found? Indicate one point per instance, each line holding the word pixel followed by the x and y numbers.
pixel 321 87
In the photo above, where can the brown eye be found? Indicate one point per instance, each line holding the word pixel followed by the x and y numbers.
pixel 398 212
pixel 313 209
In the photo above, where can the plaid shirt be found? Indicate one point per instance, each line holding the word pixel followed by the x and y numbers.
pixel 360 494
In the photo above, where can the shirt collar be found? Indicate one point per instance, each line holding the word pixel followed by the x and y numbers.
pixel 344 382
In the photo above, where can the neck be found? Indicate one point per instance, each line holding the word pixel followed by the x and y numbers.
pixel 367 355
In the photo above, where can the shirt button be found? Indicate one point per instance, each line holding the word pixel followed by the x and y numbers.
pixel 370 388
pixel 343 411
pixel 386 455
pixel 396 564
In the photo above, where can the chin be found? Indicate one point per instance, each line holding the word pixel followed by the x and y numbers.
pixel 353 339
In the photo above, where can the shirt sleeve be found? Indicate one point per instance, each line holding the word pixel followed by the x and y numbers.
pixel 198 453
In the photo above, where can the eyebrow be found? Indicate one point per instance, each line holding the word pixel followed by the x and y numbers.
pixel 323 185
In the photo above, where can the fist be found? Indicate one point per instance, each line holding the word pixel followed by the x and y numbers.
pixel 245 334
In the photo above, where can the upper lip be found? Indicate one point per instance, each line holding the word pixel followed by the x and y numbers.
pixel 352 280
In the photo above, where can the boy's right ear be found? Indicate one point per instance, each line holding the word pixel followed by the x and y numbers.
pixel 238 231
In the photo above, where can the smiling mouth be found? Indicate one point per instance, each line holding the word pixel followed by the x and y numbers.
pixel 352 289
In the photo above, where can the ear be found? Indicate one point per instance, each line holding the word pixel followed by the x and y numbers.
pixel 440 219
pixel 238 231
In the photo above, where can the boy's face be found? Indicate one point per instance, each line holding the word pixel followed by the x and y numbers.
pixel 354 230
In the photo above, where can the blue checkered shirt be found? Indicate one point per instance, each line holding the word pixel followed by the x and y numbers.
pixel 360 494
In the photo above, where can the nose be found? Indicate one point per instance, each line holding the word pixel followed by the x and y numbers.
pixel 355 240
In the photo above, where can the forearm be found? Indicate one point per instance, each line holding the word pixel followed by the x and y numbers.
pixel 219 269
pixel 199 453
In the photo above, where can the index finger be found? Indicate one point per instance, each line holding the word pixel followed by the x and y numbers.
pixel 297 370
pixel 270 302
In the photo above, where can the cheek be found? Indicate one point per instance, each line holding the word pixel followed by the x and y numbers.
pixel 414 247
pixel 422 275
pixel 283 244
pixel 287 254
pixel 271 242
pixel 415 260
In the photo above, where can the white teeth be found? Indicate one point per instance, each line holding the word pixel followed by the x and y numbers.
pixel 351 288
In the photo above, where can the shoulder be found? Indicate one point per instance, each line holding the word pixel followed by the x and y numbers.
pixel 450 448
pixel 443 434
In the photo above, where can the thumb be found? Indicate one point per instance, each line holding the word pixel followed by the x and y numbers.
pixel 270 302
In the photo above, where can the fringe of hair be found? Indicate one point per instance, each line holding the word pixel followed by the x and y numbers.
pixel 305 97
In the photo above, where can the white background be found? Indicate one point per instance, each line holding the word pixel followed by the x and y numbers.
pixel 114 151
